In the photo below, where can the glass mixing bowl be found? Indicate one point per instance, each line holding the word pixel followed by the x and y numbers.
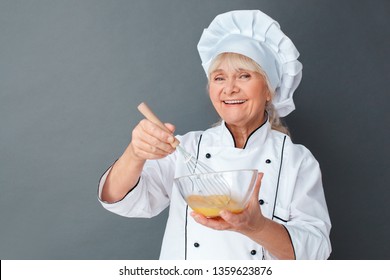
pixel 209 193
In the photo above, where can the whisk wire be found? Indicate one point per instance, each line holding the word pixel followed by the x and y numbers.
pixel 219 184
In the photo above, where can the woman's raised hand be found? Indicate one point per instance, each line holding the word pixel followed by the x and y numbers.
pixel 150 141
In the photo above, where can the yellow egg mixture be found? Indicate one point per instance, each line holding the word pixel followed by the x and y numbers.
pixel 211 205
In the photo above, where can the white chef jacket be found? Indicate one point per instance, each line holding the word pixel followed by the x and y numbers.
pixel 291 194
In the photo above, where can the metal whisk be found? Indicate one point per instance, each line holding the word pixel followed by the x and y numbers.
pixel 194 166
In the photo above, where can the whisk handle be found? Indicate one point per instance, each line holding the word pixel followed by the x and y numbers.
pixel 148 114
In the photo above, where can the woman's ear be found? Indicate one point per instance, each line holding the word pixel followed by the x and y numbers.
pixel 269 95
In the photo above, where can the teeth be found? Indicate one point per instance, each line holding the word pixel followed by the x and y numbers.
pixel 234 101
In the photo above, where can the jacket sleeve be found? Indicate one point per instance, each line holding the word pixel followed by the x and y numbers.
pixel 301 207
pixel 150 196
pixel 309 223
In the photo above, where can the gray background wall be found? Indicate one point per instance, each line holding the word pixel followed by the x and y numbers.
pixel 72 73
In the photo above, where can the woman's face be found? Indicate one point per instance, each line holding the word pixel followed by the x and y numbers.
pixel 239 96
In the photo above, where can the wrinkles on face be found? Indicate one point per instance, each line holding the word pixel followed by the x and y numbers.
pixel 239 96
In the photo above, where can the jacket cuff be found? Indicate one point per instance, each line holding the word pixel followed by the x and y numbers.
pixel 308 243
pixel 102 181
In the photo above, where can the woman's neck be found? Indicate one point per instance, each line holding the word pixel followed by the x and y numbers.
pixel 240 134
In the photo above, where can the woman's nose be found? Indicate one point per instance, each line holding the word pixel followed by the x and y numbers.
pixel 231 87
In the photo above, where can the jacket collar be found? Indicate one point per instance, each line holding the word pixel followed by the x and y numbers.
pixel 257 137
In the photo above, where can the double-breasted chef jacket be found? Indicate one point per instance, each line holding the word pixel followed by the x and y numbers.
pixel 291 194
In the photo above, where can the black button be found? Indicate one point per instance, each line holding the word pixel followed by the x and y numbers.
pixel 261 202
pixel 253 252
pixel 196 244
pixel 208 155
pixel 268 161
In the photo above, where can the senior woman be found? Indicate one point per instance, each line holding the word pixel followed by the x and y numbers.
pixel 253 70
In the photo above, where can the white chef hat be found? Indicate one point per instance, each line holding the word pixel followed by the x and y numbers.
pixel 257 36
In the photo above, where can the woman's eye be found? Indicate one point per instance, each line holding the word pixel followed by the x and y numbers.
pixel 245 76
pixel 218 78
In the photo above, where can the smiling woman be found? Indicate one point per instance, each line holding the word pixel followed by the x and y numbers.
pixel 247 70
pixel 253 72
pixel 239 97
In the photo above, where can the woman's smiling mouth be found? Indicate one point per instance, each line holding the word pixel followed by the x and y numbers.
pixel 234 102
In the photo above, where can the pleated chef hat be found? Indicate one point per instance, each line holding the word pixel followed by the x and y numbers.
pixel 257 36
